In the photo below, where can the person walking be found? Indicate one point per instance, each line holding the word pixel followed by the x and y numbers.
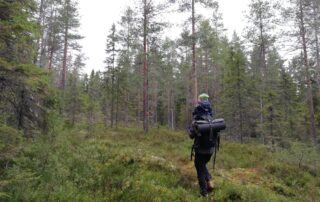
pixel 203 146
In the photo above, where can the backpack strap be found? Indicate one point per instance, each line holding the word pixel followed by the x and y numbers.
pixel 192 152
pixel 198 134
pixel 216 149
pixel 214 158
pixel 211 132
pixel 218 142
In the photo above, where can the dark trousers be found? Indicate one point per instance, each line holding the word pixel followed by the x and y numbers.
pixel 200 162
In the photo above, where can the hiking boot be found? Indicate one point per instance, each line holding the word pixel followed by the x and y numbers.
pixel 203 193
pixel 209 186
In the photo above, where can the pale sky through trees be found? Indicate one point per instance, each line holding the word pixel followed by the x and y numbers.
pixel 97 17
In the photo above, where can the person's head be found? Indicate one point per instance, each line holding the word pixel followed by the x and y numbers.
pixel 203 97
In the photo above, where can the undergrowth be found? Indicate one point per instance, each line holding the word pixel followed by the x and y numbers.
pixel 125 164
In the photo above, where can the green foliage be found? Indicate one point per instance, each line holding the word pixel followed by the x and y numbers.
pixel 76 168
pixel 237 89
pixel 243 156
pixel 235 192
pixel 254 173
pixel 26 93
pixel 125 165
pixel 302 156
pixel 92 163
pixel 17 30
pixel 10 144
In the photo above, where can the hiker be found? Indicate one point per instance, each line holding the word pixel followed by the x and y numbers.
pixel 202 147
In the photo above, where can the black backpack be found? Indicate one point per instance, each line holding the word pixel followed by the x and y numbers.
pixel 206 134
pixel 206 131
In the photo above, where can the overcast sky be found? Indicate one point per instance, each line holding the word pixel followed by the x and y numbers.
pixel 97 17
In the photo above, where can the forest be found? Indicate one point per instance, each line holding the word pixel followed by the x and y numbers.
pixel 120 133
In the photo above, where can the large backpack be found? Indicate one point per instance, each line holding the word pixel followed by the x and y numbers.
pixel 206 134
pixel 207 131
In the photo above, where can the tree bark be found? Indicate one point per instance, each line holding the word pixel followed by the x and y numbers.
pixel 50 58
pixel 194 70
pixel 145 71
pixel 169 107
pixel 20 111
pixel 239 104
pixel 65 50
pixel 309 82
pixel 52 41
pixel 315 8
pixel 117 101
pixel 126 111
pixel 112 88
pixel 207 70
pixel 40 38
pixel 263 73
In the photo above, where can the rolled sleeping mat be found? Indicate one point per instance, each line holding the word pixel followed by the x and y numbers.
pixel 205 126
pixel 219 124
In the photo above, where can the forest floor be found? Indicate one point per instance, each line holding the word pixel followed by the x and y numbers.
pixel 126 165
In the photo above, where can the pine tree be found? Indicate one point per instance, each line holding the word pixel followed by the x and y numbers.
pixel 111 52
pixel 300 12
pixel 186 5
pixel 49 42
pixel 70 22
pixel 206 40
pixel 150 26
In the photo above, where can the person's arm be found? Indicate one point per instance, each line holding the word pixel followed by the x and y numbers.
pixel 191 132
pixel 195 112
pixel 211 112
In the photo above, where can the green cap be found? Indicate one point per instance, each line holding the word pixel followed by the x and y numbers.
pixel 203 96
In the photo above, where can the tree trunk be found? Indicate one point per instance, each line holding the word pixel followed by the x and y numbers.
pixel 309 82
pixel 64 65
pixel 105 111
pixel 126 111
pixel 20 111
pixel 168 107
pixel 112 94
pixel 207 70
pixel 117 101
pixel 172 108
pixel 239 104
pixel 65 51
pixel 194 70
pixel 263 75
pixel 138 115
pixel 52 40
pixel 50 58
pixel 316 32
pixel 40 38
pixel 154 104
pixel 145 72
pixel 271 125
